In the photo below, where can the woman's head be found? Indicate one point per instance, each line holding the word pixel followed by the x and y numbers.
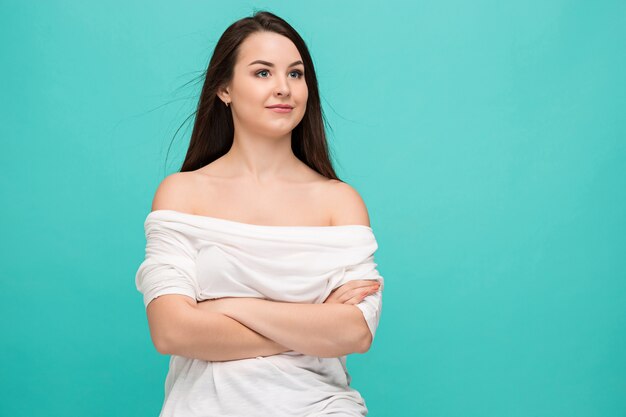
pixel 249 89
pixel 268 71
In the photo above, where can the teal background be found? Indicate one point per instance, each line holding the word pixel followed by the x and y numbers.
pixel 487 139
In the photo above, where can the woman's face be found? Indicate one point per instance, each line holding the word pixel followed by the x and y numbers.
pixel 257 85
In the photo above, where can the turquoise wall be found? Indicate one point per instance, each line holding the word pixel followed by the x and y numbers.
pixel 484 136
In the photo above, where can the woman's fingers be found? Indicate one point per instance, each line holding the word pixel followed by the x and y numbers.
pixel 353 292
pixel 359 294
pixel 356 284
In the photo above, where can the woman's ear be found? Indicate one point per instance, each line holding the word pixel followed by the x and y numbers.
pixel 223 94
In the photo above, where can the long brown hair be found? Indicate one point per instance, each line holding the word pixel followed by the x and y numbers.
pixel 213 128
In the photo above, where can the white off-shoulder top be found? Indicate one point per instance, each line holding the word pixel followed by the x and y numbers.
pixel 206 257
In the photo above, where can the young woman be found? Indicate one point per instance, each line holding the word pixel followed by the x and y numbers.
pixel 259 276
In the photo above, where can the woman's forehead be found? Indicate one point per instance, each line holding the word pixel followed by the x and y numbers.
pixel 269 47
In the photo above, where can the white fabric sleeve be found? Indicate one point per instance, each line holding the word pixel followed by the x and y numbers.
pixel 169 266
pixel 371 306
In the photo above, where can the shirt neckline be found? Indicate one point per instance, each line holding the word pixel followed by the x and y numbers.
pixel 251 226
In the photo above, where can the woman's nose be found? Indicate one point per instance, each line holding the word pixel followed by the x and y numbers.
pixel 282 89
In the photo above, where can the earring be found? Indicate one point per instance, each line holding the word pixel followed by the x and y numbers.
pixel 227 103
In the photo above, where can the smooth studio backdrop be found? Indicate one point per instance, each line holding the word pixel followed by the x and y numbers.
pixel 487 139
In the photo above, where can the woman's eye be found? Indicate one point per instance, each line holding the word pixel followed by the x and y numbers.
pixel 300 74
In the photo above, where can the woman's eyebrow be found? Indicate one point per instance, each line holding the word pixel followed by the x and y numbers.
pixel 269 64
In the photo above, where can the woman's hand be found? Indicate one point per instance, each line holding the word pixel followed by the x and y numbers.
pixel 353 292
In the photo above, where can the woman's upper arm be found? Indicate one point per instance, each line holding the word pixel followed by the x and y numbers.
pixel 167 275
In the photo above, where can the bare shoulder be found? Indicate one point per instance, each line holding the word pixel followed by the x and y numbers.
pixel 348 205
pixel 175 192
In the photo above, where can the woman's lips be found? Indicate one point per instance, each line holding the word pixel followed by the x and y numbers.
pixel 281 109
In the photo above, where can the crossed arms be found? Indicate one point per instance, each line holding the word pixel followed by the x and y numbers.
pixel 237 328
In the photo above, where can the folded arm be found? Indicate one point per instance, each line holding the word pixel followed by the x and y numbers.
pixel 178 326
pixel 324 330
pixel 239 328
